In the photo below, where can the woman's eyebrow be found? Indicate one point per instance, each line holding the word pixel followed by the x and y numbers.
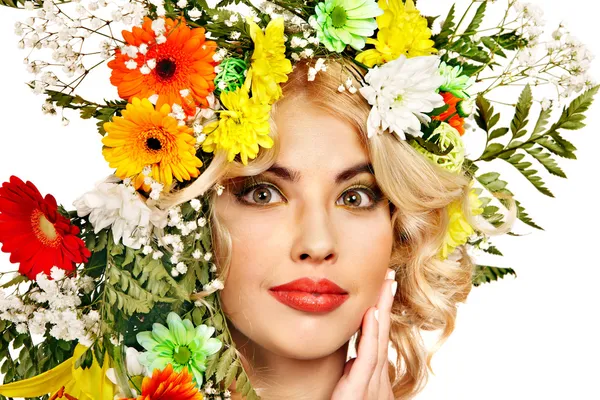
pixel 291 175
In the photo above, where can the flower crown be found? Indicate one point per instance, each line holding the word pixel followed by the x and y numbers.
pixel 122 292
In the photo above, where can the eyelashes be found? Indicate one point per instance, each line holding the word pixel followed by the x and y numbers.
pixel 249 194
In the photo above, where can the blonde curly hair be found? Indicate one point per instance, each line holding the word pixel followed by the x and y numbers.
pixel 419 192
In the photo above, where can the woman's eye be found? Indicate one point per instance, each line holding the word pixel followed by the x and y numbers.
pixel 262 194
pixel 355 198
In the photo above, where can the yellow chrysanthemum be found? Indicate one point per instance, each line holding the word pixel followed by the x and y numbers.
pixel 143 137
pixel 241 128
pixel 402 30
pixel 269 64
pixel 459 229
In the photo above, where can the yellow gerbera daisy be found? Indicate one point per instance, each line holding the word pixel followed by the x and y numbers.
pixel 269 64
pixel 241 128
pixel 402 30
pixel 144 137
pixel 459 229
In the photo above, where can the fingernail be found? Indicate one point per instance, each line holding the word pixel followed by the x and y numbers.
pixel 377 315
pixel 390 275
pixel 394 288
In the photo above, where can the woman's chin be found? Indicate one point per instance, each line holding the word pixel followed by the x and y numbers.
pixel 307 347
pixel 307 338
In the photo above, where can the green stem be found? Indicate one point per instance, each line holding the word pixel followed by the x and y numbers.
pixel 120 372
pixel 461 21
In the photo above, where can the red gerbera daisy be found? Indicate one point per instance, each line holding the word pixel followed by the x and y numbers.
pixel 34 232
pixel 183 63
pixel 451 115
pixel 169 385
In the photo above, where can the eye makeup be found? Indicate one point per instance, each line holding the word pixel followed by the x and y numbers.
pixel 241 189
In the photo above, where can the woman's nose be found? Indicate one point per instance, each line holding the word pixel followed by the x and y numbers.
pixel 315 238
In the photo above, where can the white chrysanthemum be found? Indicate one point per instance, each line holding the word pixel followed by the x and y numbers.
pixel 401 92
pixel 122 208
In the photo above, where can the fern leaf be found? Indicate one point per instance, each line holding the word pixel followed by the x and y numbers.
pixel 486 118
pixel 556 147
pixel 477 19
pixel 541 123
pixel 547 161
pixel 441 39
pixel 519 122
pixel 486 274
pixel 572 116
pixel 524 217
pixel 523 167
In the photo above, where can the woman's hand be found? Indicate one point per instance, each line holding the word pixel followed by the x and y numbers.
pixel 366 376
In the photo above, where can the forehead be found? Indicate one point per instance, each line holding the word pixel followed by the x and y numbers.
pixel 312 139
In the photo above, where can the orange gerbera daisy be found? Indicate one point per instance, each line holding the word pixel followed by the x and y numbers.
pixel 145 136
pixel 184 62
pixel 451 116
pixel 35 233
pixel 169 385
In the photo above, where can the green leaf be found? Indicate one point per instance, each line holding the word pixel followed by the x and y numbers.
pixel 510 41
pixel 493 46
pixel 98 353
pixel 241 381
pixel 101 240
pixel 572 116
pixel 13 4
pixel 547 161
pixel 492 151
pixel 441 39
pixel 541 123
pixel 14 281
pixel 477 18
pixel 486 274
pixel 211 365
pixel 466 48
pixel 488 178
pixel 116 249
pixel 561 148
pixel 486 118
pixel 493 250
pixel 522 215
pixel 519 122
pixel 430 20
pixel 88 112
pixel 231 373
pixel 129 256
pixel 523 167
pixel 497 133
pixel 498 188
pixel 198 314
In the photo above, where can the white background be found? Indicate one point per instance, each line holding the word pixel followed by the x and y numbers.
pixel 534 337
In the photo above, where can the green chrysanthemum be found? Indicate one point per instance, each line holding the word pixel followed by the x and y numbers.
pixel 180 345
pixel 454 82
pixel 346 22
pixel 446 135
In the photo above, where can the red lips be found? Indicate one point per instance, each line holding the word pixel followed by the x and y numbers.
pixel 308 295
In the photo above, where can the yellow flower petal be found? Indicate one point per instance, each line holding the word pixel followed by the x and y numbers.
pixel 83 384
pixel 146 136
pixel 402 30
pixel 268 60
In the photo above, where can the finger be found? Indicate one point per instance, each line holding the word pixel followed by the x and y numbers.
pixel 384 305
pixel 364 365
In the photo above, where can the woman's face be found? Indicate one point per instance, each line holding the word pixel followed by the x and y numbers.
pixel 316 214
